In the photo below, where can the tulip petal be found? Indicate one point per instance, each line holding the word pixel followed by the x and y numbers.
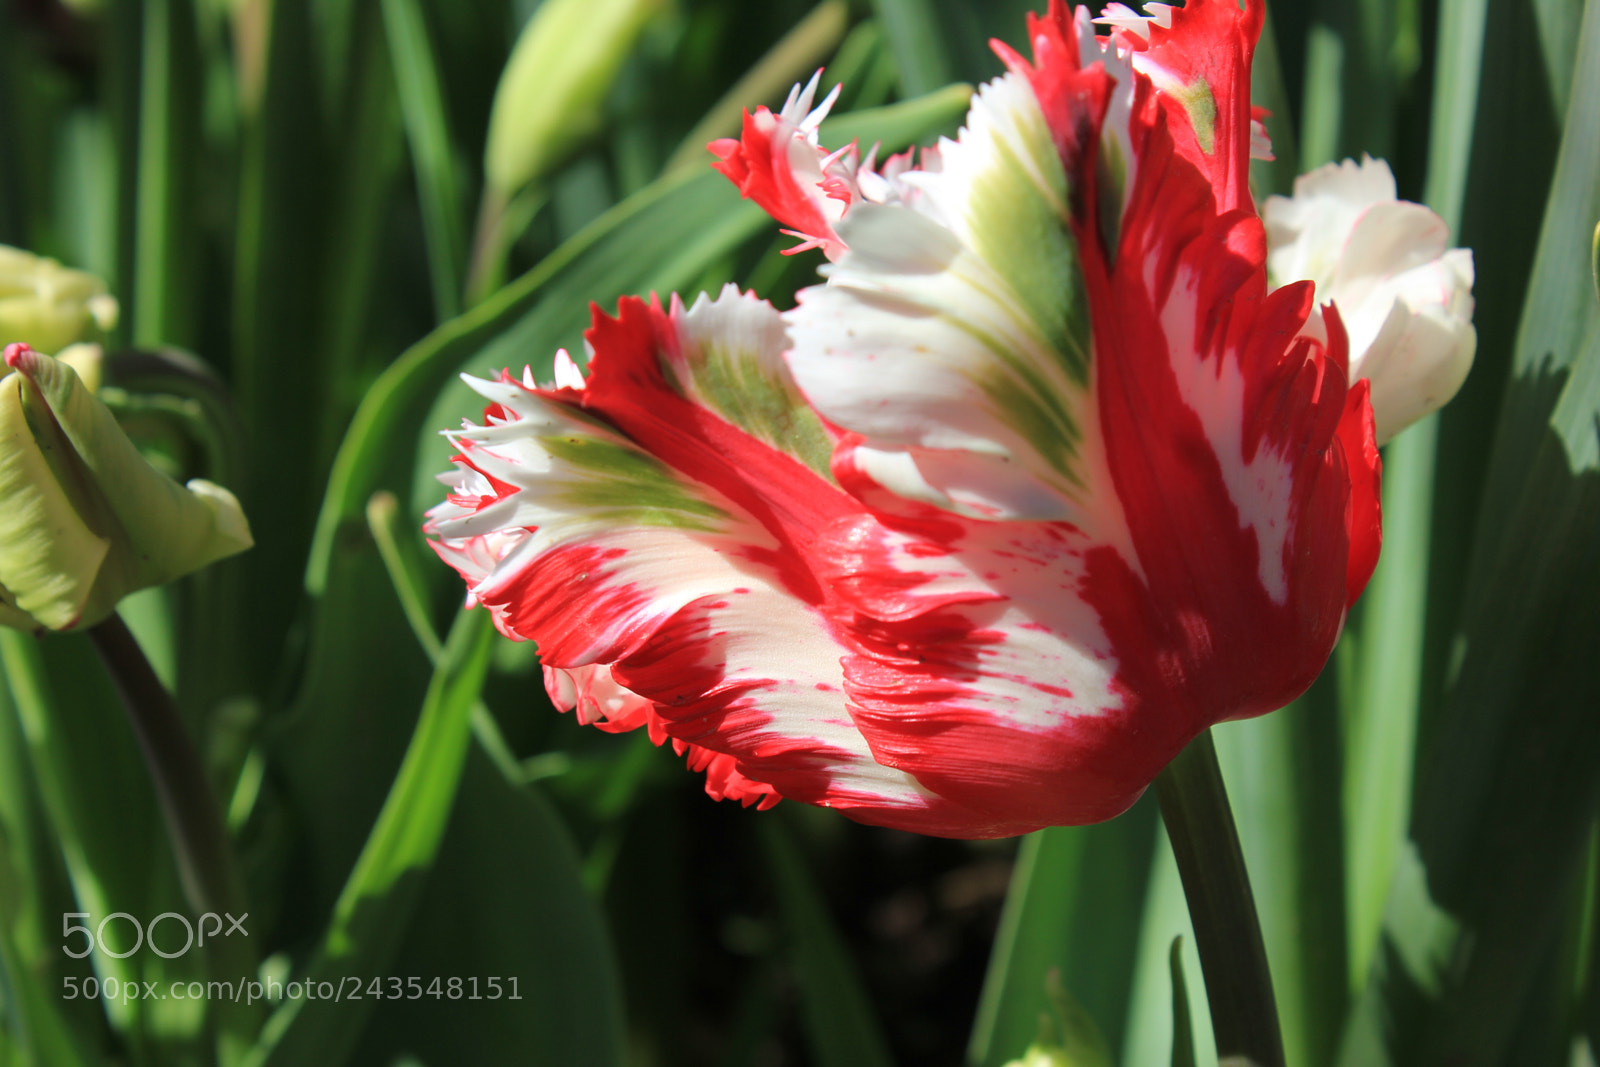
pixel 682 565
pixel 969 308
pixel 1387 265
pixel 170 529
pixel 777 162
pixel 50 556
pixel 1198 57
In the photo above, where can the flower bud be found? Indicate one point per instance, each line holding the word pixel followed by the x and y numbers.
pixel 1404 295
pixel 84 519
pixel 47 306
pixel 552 88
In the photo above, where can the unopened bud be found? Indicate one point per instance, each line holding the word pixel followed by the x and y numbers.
pixel 47 306
pixel 554 84
pixel 84 519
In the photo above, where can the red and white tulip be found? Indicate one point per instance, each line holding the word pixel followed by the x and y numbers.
pixel 1042 482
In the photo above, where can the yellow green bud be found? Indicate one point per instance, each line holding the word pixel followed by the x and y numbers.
pixel 84 519
pixel 47 306
pixel 554 84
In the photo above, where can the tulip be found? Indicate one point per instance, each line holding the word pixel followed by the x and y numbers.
pixel 1040 484
pixel 47 306
pixel 84 519
pixel 1404 295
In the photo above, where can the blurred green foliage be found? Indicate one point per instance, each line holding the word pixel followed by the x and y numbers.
pixel 294 190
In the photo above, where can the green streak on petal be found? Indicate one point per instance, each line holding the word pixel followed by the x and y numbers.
pixel 764 403
pixel 1019 229
pixel 1111 178
pixel 1196 99
pixel 1018 224
pixel 1038 414
pixel 627 486
pixel 1031 403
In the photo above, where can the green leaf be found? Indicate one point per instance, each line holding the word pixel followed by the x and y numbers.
pixel 1075 907
pixel 1509 787
pixel 382 891
pixel 353 234
pixel 918 46
pixel 504 898
pixel 276 273
pixel 1166 916
pixel 841 1029
pixel 1182 1028
pixel 33 892
pixel 402 560
pixel 1382 706
pixel 163 304
pixel 432 158
pixel 102 811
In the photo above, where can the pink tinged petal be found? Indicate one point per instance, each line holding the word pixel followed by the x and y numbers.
pixel 1307 233
pixel 598 698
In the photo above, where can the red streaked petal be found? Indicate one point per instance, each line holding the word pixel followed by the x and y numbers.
pixel 1200 63
pixel 1364 514
pixel 777 162
pixel 690 603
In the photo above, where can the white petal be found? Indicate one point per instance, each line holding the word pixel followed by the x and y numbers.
pixel 951 327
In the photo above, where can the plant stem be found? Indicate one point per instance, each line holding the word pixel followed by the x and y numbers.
pixel 1233 958
pixel 194 822
pixel 193 817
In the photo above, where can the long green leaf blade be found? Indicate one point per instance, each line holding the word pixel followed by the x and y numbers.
pixel 376 905
pixel 427 129
pixel 840 1024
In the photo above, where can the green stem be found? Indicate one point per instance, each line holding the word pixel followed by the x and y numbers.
pixel 1194 805
pixel 190 809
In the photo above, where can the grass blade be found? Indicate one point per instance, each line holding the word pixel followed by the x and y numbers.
pixel 169 120
pixel 1182 1027
pixel 432 158
pixel 1166 917
pixel 840 1026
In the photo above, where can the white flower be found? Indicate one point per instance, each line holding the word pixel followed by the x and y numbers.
pixel 1404 295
